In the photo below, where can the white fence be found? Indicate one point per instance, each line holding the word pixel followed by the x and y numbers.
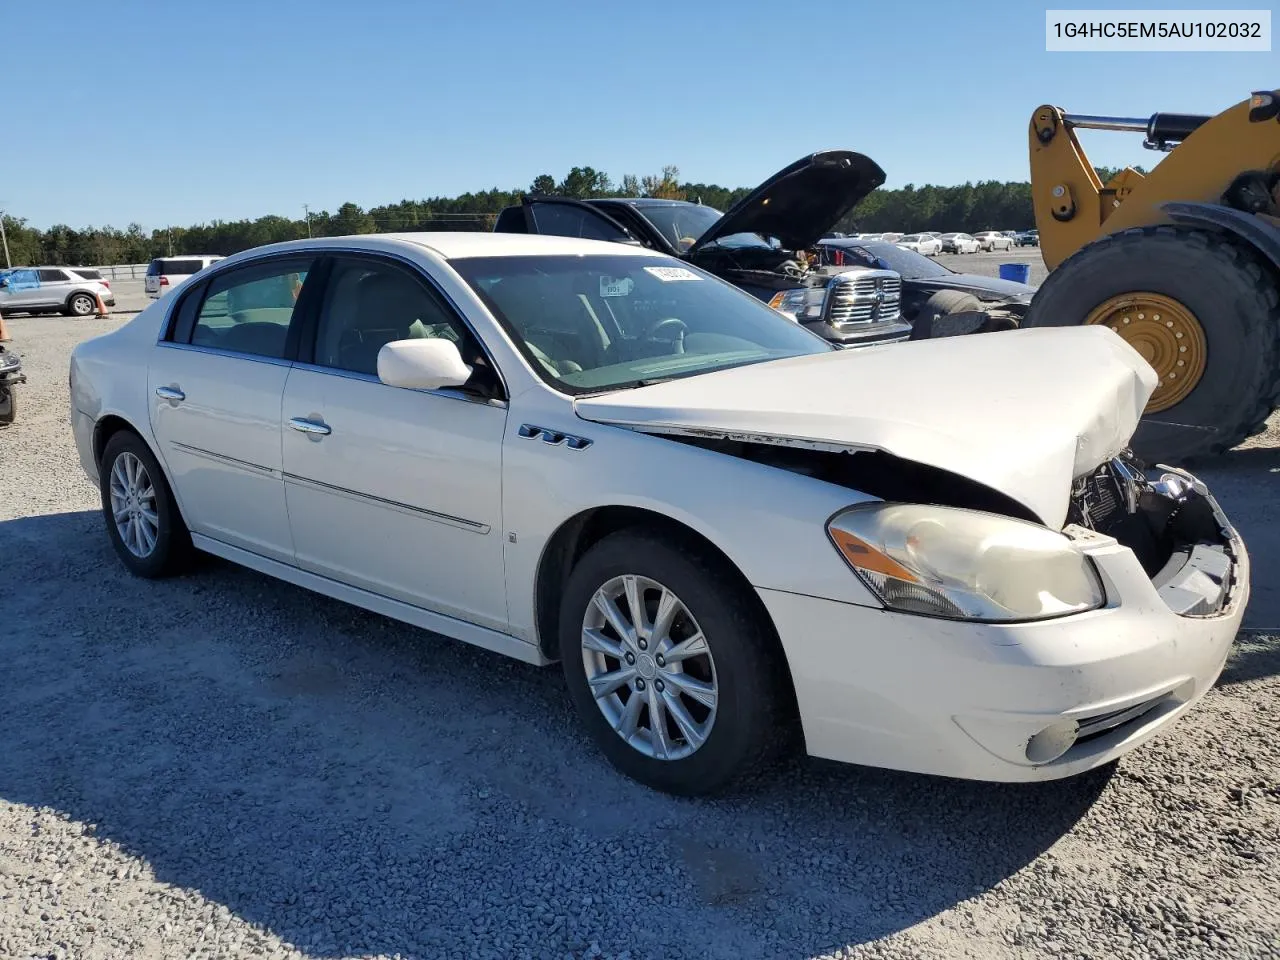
pixel 123 271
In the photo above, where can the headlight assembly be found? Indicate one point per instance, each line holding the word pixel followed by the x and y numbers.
pixel 962 564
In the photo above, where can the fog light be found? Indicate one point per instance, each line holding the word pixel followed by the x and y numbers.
pixel 1053 741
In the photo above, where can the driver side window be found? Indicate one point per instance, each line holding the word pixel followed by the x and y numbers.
pixel 369 303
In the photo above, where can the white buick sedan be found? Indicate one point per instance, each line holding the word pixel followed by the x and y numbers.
pixel 933 556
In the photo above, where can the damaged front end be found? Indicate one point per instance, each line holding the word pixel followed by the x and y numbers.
pixel 1172 524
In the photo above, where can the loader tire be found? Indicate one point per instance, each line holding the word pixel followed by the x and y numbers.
pixel 1233 294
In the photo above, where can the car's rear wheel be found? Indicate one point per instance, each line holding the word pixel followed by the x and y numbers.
pixel 81 305
pixel 671 665
pixel 142 517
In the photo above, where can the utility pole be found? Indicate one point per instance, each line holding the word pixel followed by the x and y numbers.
pixel 5 240
pixel 307 210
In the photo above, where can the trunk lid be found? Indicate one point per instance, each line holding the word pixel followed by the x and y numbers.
pixel 800 202
pixel 1023 412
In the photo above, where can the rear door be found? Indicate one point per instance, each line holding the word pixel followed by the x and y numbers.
pixel 215 387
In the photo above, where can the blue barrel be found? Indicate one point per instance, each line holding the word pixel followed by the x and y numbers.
pixel 1018 272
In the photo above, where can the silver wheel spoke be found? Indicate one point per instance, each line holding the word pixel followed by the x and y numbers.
pixel 658 723
pixel 635 604
pixel 695 646
pixel 151 517
pixel 616 620
pixel 629 722
pixel 593 639
pixel 668 610
pixel 148 535
pixel 686 723
pixel 700 690
pixel 607 683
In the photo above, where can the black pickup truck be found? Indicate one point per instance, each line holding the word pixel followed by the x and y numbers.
pixel 759 245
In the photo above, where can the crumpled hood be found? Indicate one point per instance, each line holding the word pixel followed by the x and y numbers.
pixel 1023 412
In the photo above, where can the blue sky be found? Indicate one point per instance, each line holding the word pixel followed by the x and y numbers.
pixel 190 112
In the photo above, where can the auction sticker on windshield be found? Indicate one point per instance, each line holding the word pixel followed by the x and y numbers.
pixel 616 286
pixel 668 274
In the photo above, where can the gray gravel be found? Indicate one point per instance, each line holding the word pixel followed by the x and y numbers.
pixel 223 765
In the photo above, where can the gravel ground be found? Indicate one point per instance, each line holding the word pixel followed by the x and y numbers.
pixel 223 765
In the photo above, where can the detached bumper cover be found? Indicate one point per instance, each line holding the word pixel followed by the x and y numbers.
pixel 964 699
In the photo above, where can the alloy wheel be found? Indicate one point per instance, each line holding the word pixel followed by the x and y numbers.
pixel 649 667
pixel 133 505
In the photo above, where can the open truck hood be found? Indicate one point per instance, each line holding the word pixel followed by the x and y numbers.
pixel 1023 412
pixel 800 202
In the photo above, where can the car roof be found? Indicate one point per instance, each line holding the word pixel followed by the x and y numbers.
pixel 653 202
pixel 458 245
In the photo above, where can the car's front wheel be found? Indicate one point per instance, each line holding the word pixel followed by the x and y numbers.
pixel 142 518
pixel 671 664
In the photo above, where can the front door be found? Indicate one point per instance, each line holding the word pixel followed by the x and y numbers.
pixel 391 490
pixel 215 388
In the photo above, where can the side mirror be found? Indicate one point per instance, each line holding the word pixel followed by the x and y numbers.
pixel 3 284
pixel 424 363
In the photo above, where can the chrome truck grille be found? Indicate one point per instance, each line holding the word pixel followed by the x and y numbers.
pixel 865 297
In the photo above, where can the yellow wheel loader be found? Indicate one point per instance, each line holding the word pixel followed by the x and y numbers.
pixel 1182 262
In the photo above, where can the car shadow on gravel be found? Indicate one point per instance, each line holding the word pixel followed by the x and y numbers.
pixel 356 786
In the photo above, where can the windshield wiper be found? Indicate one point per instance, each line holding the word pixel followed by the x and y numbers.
pixel 629 385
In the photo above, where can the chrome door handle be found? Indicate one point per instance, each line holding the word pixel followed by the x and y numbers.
pixel 170 393
pixel 303 425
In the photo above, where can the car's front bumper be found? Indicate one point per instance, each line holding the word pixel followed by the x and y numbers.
pixel 965 699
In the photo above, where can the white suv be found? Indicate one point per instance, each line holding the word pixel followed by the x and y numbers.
pixel 165 273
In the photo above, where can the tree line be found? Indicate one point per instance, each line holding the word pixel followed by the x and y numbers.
pixel 970 206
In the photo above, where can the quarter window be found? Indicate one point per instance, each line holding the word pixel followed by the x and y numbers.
pixel 249 310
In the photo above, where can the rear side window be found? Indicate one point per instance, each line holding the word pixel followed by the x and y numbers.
pixel 171 267
pixel 249 310
pixel 571 220
pixel 511 220
pixel 52 276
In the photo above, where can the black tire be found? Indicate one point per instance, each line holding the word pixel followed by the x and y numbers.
pixel 1232 292
pixel 8 405
pixel 930 320
pixel 172 550
pixel 752 723
pixel 81 305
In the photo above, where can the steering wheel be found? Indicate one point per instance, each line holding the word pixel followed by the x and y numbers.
pixel 673 329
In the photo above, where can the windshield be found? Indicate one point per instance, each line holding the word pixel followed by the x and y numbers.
pixel 589 324
pixel 886 256
pixel 683 223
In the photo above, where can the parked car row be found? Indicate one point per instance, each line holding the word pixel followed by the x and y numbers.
pixel 932 243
